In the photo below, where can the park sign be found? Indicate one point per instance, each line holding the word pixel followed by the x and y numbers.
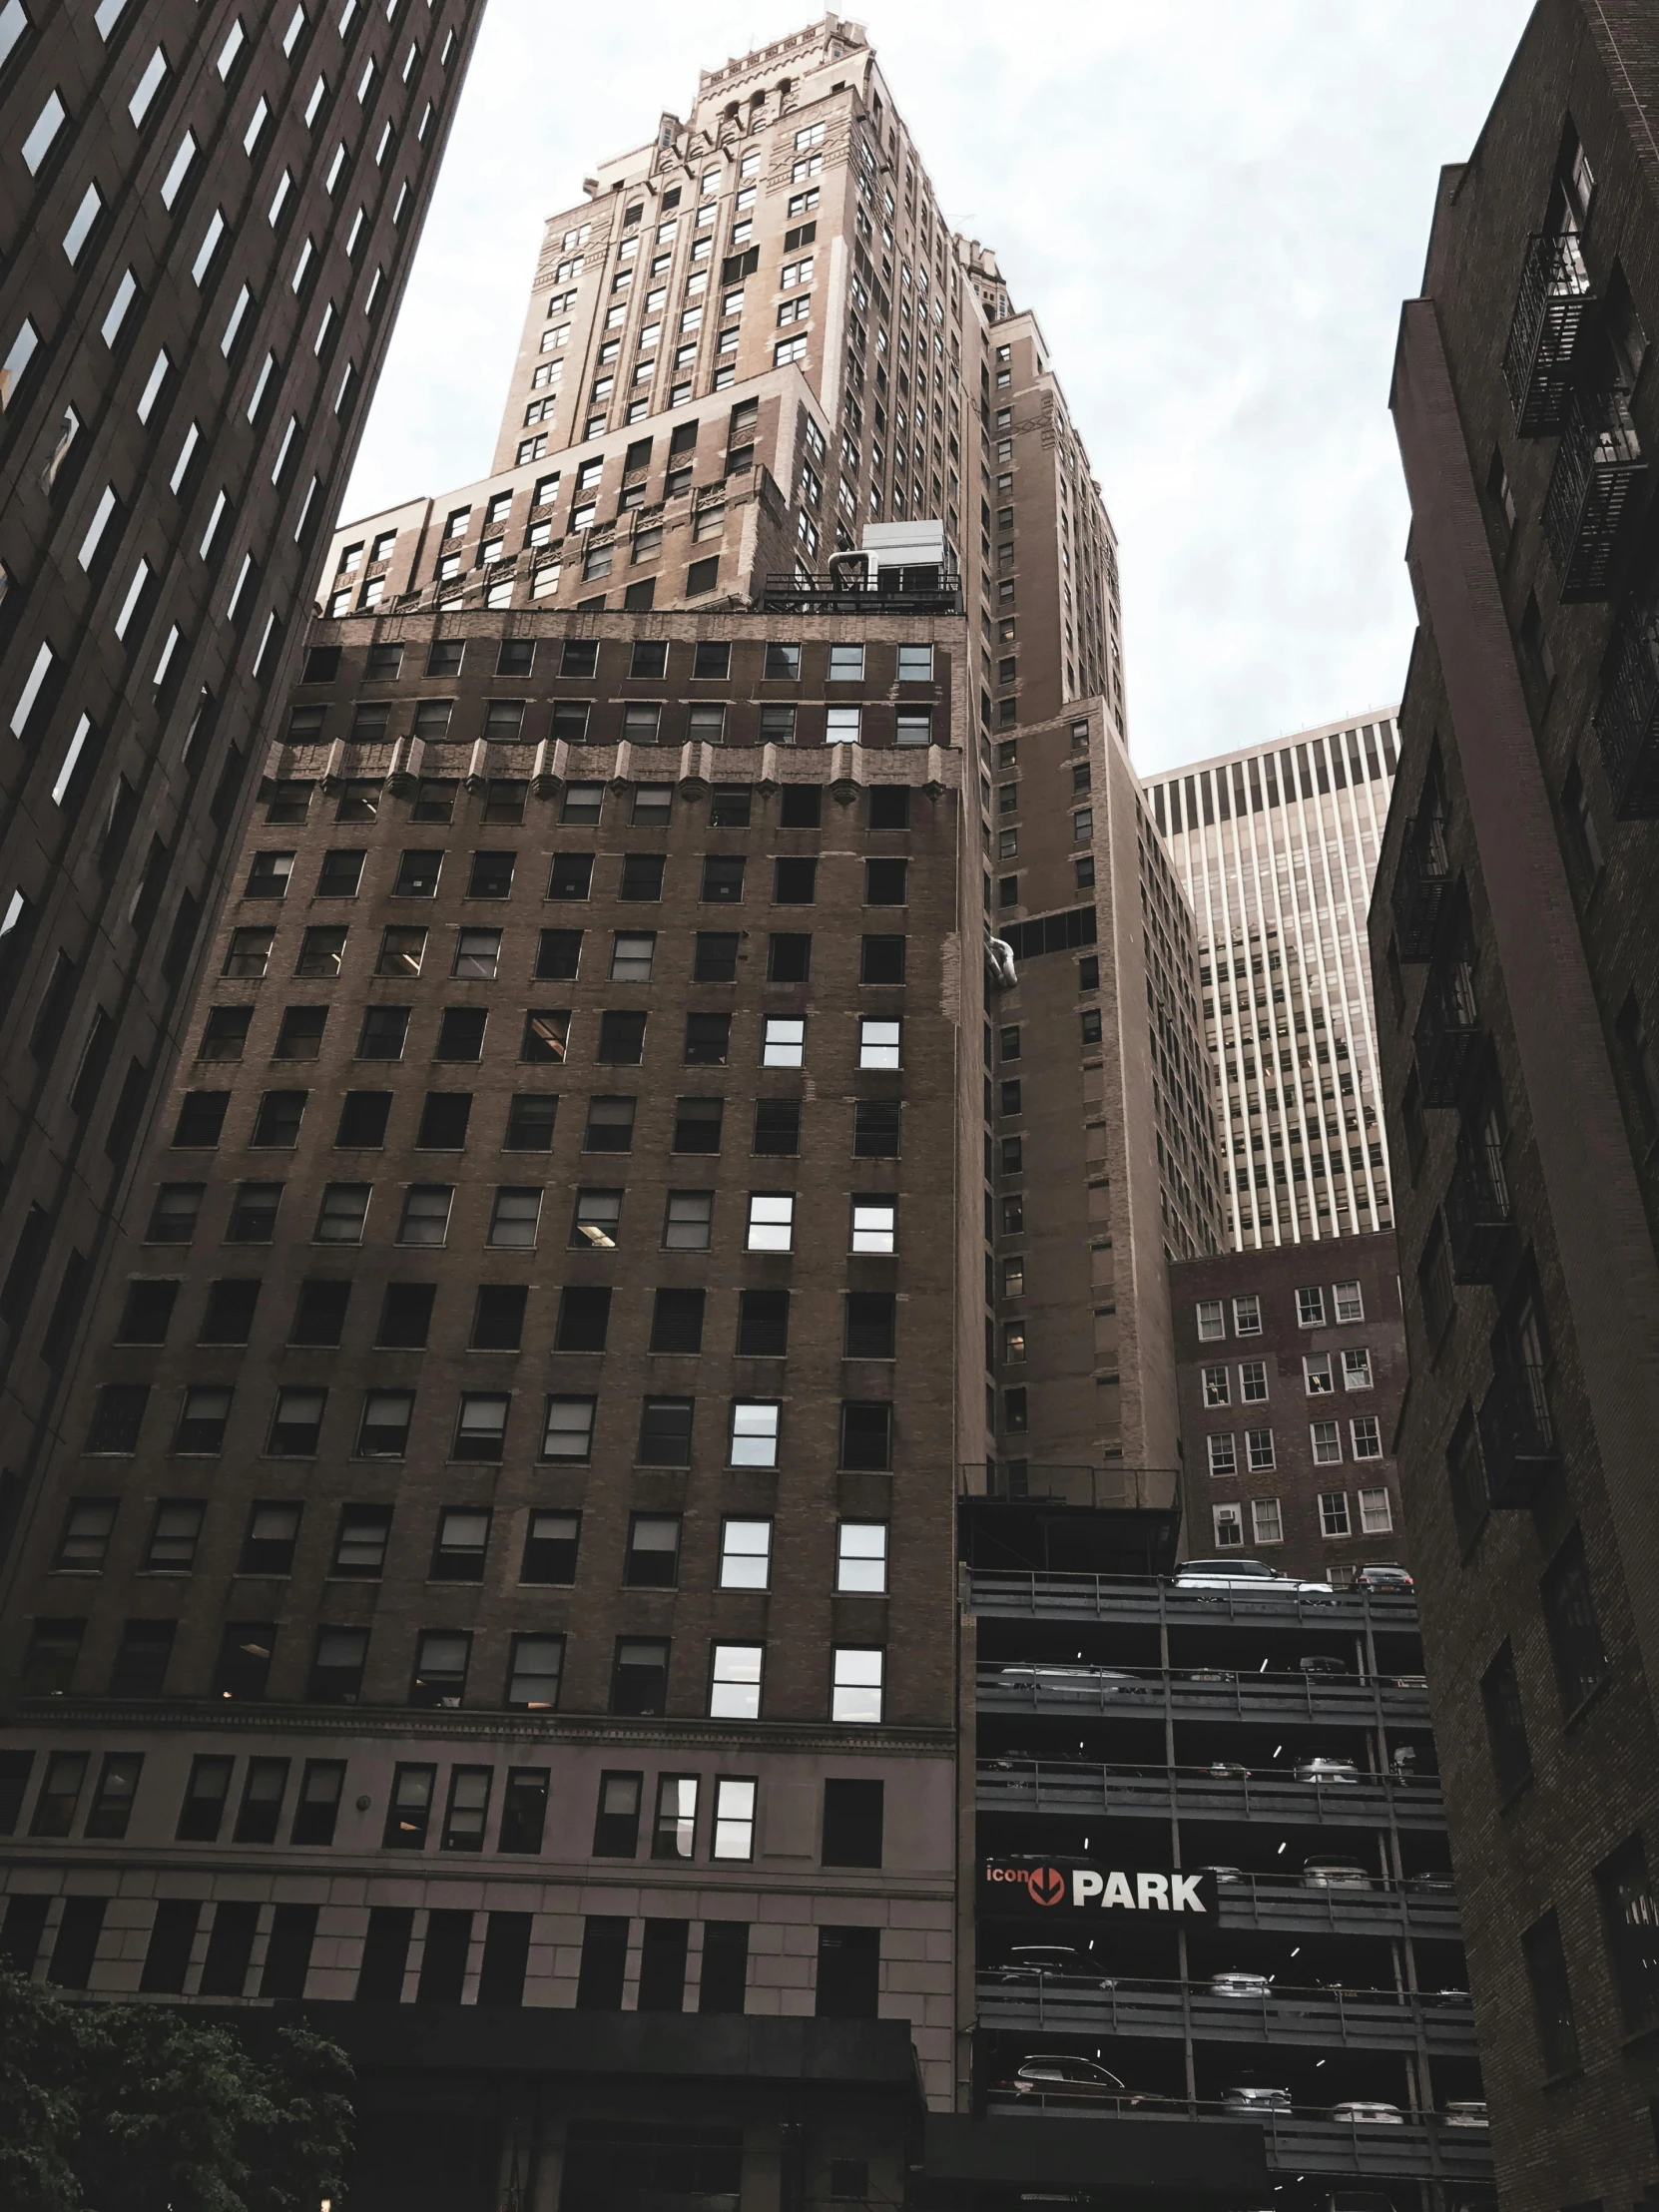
pixel 1081 1885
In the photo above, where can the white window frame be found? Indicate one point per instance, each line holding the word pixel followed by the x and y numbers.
pixel 1216 1389
pixel 1377 1511
pixel 745 1553
pixel 734 1831
pixel 1349 1301
pixel 868 1233
pixel 1266 1520
pixel 879 1043
pixel 1212 1321
pixel 1261 1454
pixel 1229 1527
pixel 1247 1314
pixel 1252 1370
pixel 1374 1437
pixel 1317 1380
pixel 858 1684
pixel 1336 1521
pixel 861 1557
pixel 1310 1307
pixel 735 1676
pixel 752 1436
pixel 1357 1369
pixel 1325 1440
pixel 1223 1454
pixel 784 1042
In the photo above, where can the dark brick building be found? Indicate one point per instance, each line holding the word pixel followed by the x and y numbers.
pixel 1515 942
pixel 1292 1373
pixel 700 1067
pixel 208 211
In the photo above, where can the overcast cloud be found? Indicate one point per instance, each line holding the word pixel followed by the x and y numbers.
pixel 1213 206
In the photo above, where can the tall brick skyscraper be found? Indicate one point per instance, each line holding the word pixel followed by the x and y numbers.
pixel 207 210
pixel 701 1066
pixel 1516 938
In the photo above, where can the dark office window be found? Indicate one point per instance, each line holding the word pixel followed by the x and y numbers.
pixel 441 1659
pixel 491 876
pixel 876 1129
pixel 677 1322
pixel 112 1803
pixel 609 1125
pixel 77 1945
pixel 653 1557
pixel 230 1311
pixel 316 1808
pixel 410 1812
pixel 171 1937
pixel 662 1965
pixel 707 1041
pixel 620 1038
pixel 148 1313
pixel 788 957
pixel 882 960
pixel 664 1432
pixel 382 1034
pixel 244 1664
pixel 1547 1970
pixel 1570 1619
pixel 849 1972
pixel 885 882
pixel 201 1118
pixel 721 878
pixel 443 1121
pixel 551 1540
pixel 793 884
pixel 867 1433
pixel 141 1659
pixel 639 1675
pixel 1466 1478
pixel 584 1318
pixel 852 1814
pixel 229 1949
pixel 715 956
pixel 603 1964
pixel 417 875
pixel 60 1793
pixel 778 1125
pixel 1434 1287
pixel 1630 1917
pixel 890 807
pixel 506 1958
pixel 498 1317
pixel 462 1540
pixel 467 1812
pixel 287 1957
pixel 762 1325
pixel 338 1664
pixel 203 1812
pixel 724 1982
pixel 800 805
pixel 642 876
pixel 532 1116
pixel 49 1661
pixel 696 1124
pixel 461 1033
pixel 386 1956
pixel 1506 1723
pixel 320 1311
pixel 872 1324
pixel 523 1809
pixel 405 1316
pixel 571 878
pixel 15 1770
pixel 21 1930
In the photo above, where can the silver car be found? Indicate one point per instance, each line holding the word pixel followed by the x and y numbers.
pixel 1334 1874
pixel 1240 1985
pixel 1068 1681
pixel 1368 2112
pixel 1467 2112
pixel 1320 1767
pixel 1245 2099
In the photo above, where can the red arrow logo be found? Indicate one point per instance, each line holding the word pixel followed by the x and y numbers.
pixel 1047 1885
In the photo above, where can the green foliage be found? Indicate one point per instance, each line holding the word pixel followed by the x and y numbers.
pixel 142 2108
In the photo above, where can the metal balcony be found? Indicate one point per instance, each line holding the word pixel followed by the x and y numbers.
pixel 1047 1790
pixel 1449 1033
pixel 1421 883
pixel 1005 1594
pixel 1517 1435
pixel 1066 1690
pixel 1627 714
pixel 1165 2011
pixel 1550 307
pixel 1279 1904
pixel 1421 2147
pixel 1477 1213
pixel 1598 466
pixel 896 591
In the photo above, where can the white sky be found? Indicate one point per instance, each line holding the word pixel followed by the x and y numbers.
pixel 1215 208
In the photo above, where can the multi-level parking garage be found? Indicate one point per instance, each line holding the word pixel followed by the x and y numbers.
pixel 1270 1746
